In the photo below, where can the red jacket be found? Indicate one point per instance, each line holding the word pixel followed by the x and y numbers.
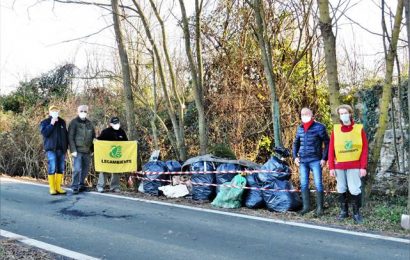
pixel 359 164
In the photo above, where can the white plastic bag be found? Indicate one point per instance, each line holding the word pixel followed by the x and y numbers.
pixel 177 191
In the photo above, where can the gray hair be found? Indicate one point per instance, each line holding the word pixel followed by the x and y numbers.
pixel 308 109
pixel 82 107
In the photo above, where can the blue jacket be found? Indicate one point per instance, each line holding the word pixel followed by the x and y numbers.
pixel 55 137
pixel 312 145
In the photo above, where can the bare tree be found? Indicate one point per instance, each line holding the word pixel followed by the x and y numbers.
pixel 407 5
pixel 155 109
pixel 179 98
pixel 266 51
pixel 126 72
pixel 329 40
pixel 386 97
pixel 170 106
pixel 196 70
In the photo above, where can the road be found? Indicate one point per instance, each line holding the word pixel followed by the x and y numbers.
pixel 110 227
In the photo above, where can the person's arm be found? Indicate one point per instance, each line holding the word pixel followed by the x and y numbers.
pixel 103 135
pixel 331 153
pixel 46 128
pixel 71 138
pixel 93 137
pixel 125 135
pixel 365 150
pixel 65 133
pixel 296 146
pixel 325 139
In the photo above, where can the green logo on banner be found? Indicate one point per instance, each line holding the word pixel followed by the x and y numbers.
pixel 348 145
pixel 115 151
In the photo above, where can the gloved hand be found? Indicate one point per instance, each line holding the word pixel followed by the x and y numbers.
pixel 74 154
pixel 297 161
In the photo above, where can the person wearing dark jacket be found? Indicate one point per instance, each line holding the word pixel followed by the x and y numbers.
pixel 310 151
pixel 81 134
pixel 54 132
pixel 112 133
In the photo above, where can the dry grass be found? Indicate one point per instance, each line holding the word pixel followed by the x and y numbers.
pixel 12 249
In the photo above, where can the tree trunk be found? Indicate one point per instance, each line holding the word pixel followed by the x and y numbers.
pixel 198 88
pixel 329 41
pixel 385 100
pixel 181 102
pixel 126 75
pixel 170 106
pixel 408 103
pixel 265 47
pixel 154 112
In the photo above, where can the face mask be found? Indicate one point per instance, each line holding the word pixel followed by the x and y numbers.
pixel 306 119
pixel 82 115
pixel 115 126
pixel 54 114
pixel 345 118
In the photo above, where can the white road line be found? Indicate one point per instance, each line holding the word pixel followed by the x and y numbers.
pixel 51 248
pixel 290 223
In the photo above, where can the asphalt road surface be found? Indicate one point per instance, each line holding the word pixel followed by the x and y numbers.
pixel 108 227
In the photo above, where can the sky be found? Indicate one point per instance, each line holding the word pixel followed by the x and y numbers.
pixel 32 36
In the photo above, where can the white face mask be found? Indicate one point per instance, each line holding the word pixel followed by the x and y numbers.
pixel 345 118
pixel 82 115
pixel 306 119
pixel 115 126
pixel 54 114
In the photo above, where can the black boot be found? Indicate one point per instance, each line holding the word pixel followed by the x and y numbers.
pixel 319 204
pixel 357 202
pixel 306 201
pixel 344 206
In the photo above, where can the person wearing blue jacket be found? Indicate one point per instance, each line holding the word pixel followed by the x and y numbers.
pixel 310 151
pixel 55 140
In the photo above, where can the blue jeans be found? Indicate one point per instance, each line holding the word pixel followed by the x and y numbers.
pixel 55 161
pixel 304 171
pixel 80 170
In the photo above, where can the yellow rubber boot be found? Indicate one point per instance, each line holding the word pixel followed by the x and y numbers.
pixel 52 184
pixel 59 181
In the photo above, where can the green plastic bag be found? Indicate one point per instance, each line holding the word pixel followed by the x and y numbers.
pixel 229 197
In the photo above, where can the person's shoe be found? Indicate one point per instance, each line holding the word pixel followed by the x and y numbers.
pixel 306 202
pixel 84 189
pixel 51 183
pixel 357 217
pixel 59 181
pixel 76 191
pixel 344 206
pixel 100 190
pixel 319 204
pixel 115 190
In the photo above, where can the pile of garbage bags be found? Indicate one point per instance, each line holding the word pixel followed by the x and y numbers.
pixel 271 188
pixel 159 168
pixel 279 195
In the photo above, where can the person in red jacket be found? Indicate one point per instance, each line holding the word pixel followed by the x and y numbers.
pixel 348 150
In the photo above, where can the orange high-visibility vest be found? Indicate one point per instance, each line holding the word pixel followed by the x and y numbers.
pixel 348 145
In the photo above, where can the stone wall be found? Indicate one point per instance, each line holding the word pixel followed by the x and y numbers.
pixel 392 173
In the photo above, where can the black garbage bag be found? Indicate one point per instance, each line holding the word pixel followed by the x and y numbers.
pixel 280 171
pixel 151 187
pixel 173 166
pixel 221 178
pixel 281 201
pixel 200 192
pixel 253 198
